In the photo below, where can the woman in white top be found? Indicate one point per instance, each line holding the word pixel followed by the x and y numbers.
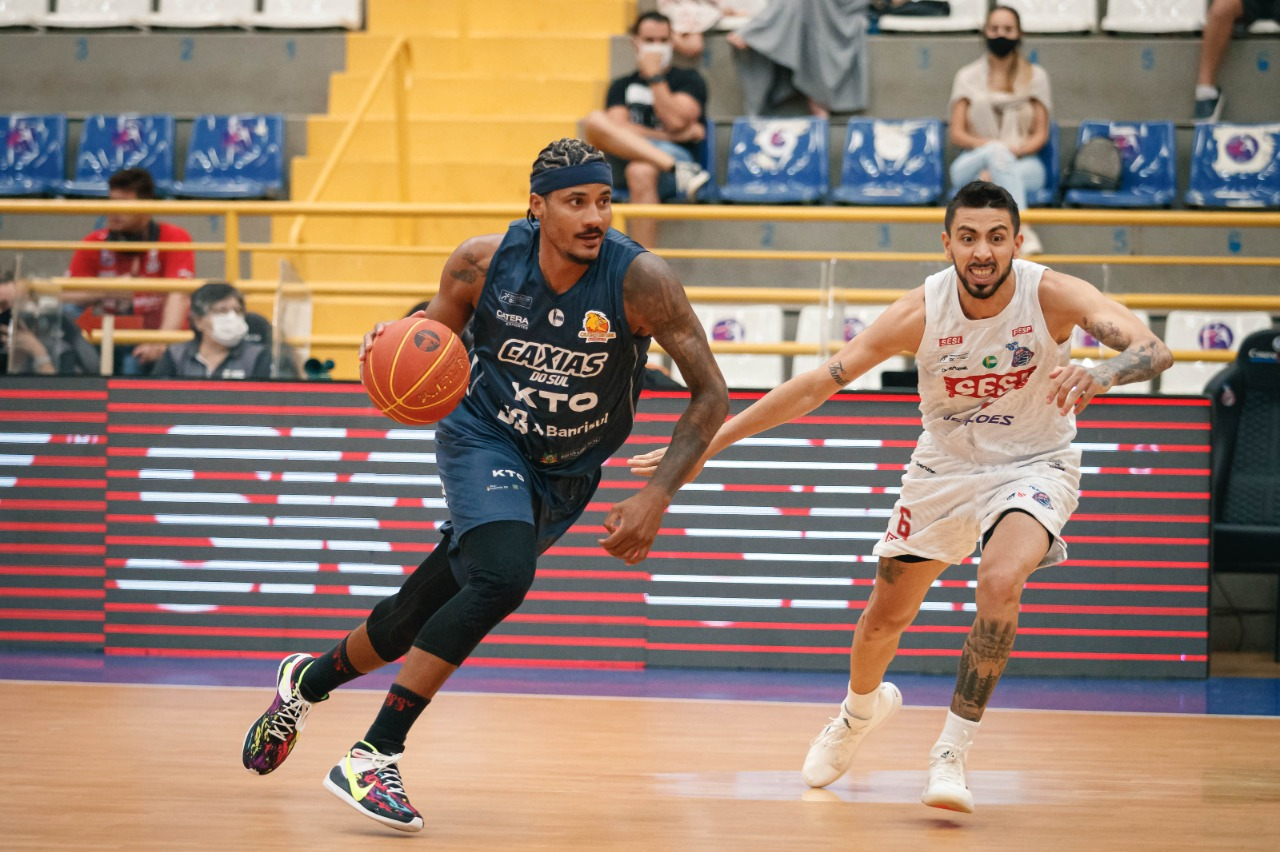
pixel 1000 116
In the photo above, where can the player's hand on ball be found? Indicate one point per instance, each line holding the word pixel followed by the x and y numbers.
pixel 367 343
pixel 1072 388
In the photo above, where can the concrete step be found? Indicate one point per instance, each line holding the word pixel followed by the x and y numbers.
pixel 1091 76
pixel 476 182
pixel 440 140
pixel 548 54
pixel 506 17
pixel 473 95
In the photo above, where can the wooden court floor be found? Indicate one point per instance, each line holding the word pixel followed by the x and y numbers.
pixel 140 768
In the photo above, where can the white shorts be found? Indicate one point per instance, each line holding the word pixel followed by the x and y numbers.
pixel 949 505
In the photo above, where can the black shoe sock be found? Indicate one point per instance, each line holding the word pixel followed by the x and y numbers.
pixel 327 673
pixel 400 710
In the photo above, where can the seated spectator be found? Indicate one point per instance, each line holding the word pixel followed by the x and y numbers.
pixel 817 48
pixel 652 121
pixel 219 350
pixel 1222 18
pixel 164 311
pixel 1000 117
pixel 43 341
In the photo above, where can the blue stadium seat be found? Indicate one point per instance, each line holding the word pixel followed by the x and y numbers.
pixel 1149 162
pixel 705 157
pixel 1051 156
pixel 32 161
pixel 777 160
pixel 1235 165
pixel 234 156
pixel 891 162
pixel 109 143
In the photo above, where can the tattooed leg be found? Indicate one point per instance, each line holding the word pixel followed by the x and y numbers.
pixel 895 599
pixel 982 661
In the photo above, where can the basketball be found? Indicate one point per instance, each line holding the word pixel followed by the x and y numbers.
pixel 416 371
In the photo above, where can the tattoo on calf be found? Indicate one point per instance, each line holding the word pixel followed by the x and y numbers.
pixel 982 661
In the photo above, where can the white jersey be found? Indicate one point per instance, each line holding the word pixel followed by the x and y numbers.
pixel 983 383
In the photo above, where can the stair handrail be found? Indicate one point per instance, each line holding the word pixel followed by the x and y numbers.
pixel 400 57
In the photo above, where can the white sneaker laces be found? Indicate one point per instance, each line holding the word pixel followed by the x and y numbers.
pixel 834 734
pixel 289 719
pixel 384 765
pixel 948 768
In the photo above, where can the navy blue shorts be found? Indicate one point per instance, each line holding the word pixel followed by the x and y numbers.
pixel 489 480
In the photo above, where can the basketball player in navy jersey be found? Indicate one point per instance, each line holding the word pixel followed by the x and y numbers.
pixel 562 309
pixel 994 466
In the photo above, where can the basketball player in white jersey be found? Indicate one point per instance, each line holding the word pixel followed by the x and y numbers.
pixel 994 466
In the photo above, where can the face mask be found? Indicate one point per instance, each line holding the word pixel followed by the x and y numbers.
pixel 663 50
pixel 228 328
pixel 1002 46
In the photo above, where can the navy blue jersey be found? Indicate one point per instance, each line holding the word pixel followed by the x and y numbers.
pixel 558 376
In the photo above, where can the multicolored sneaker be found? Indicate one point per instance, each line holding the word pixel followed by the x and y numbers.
pixel 271 737
pixel 369 781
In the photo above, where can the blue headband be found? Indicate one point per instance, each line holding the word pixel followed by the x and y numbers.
pixel 598 171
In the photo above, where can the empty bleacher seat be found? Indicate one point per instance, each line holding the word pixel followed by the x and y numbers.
pixel 1056 16
pixel 1235 165
pixel 1051 156
pixel 109 143
pixel 891 162
pixel 22 13
pixel 96 14
pixel 309 14
pixel 1155 16
pixel 234 156
pixel 966 16
pixel 198 14
pixel 32 161
pixel 1218 330
pixel 743 324
pixel 1147 148
pixel 816 324
pixel 777 160
pixel 1081 339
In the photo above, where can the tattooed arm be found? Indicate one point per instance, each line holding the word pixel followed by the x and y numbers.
pixel 897 330
pixel 461 281
pixel 1068 302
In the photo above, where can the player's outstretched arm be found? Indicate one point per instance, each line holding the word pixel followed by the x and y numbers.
pixel 1067 302
pixel 461 281
pixel 657 306
pixel 897 330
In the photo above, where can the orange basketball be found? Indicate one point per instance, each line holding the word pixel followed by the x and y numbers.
pixel 416 372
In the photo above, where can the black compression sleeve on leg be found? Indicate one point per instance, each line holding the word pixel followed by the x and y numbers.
pixel 396 620
pixel 500 560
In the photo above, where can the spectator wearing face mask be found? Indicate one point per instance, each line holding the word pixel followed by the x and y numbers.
pixel 651 124
pixel 219 350
pixel 1000 117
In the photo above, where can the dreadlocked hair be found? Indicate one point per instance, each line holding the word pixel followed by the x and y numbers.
pixel 562 153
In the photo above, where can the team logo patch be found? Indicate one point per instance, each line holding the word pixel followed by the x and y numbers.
pixel 953 356
pixel 509 298
pixel 515 320
pixel 555 316
pixel 951 341
pixel 596 328
pixel 1022 329
pixel 1021 355
pixel 988 386
pixel 728 330
pixel 989 361
pixel 1216 335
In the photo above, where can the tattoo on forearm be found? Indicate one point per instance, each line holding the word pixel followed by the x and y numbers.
pixel 838 373
pixel 1137 364
pixel 982 661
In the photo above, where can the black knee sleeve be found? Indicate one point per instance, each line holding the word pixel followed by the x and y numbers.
pixel 499 559
pixel 396 620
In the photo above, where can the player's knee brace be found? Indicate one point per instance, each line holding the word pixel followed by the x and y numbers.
pixel 396 620
pixel 500 560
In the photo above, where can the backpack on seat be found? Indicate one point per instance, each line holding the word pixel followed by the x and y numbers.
pixel 1097 164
